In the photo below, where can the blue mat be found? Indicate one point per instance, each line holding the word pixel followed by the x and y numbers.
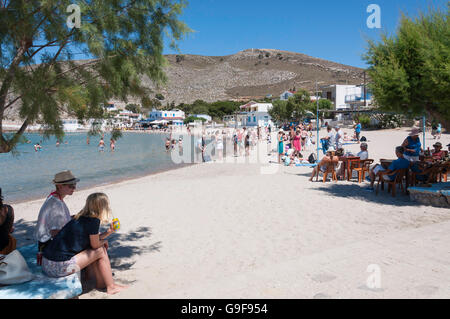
pixel 307 165
pixel 42 286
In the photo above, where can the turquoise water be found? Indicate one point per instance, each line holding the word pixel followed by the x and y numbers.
pixel 29 174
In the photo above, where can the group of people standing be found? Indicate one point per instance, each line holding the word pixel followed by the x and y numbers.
pixel 298 139
pixel 68 243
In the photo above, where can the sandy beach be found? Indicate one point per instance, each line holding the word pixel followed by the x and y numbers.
pixel 219 230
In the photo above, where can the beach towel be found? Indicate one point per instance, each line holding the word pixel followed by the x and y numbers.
pixel 42 286
pixel 307 165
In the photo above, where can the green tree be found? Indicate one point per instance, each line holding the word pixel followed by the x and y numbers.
pixel 133 108
pixel 410 71
pixel 38 73
pixel 278 111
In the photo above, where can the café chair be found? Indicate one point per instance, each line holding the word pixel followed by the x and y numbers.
pixel 401 174
pixel 364 167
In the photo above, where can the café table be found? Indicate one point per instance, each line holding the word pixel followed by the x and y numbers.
pixel 349 162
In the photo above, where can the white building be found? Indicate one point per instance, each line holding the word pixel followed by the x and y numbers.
pixel 256 114
pixel 174 117
pixel 346 97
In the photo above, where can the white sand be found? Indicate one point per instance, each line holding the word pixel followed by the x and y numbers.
pixel 228 231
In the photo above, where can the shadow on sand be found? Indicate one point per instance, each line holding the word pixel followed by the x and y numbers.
pixel 122 248
pixel 359 192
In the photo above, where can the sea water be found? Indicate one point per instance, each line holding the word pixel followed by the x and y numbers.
pixel 29 174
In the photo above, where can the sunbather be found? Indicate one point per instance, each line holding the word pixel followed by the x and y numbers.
pixel 79 245
pixel 7 241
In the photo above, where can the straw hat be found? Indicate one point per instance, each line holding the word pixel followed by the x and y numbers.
pixel 439 144
pixel 65 177
pixel 414 132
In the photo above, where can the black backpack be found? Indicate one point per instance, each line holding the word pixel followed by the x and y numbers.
pixel 312 158
pixel 363 139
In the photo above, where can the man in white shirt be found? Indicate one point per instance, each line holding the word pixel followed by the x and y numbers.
pixel 364 154
pixel 54 213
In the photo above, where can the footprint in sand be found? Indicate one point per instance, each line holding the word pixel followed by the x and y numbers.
pixel 321 278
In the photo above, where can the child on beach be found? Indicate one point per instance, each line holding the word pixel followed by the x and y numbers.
pixel 79 245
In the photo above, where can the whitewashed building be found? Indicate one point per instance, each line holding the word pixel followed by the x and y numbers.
pixel 174 117
pixel 346 97
pixel 256 114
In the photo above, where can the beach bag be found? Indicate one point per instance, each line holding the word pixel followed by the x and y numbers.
pixel 363 139
pixel 14 269
pixel 312 158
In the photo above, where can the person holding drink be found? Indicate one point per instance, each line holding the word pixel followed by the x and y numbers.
pixel 79 245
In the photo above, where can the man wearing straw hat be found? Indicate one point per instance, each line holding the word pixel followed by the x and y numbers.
pixel 412 146
pixel 54 214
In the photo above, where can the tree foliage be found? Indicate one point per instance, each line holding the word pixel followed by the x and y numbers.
pixel 410 71
pixel 217 110
pixel 124 40
pixel 294 109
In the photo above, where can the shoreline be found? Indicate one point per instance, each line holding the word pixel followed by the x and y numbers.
pixel 118 181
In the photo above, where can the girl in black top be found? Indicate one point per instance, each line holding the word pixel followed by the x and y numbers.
pixel 7 241
pixel 79 245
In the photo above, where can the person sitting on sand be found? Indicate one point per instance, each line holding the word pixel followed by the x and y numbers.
pixel 329 159
pixel 399 163
pixel 7 241
pixel 54 213
pixel 79 245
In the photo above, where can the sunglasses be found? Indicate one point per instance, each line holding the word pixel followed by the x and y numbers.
pixel 72 186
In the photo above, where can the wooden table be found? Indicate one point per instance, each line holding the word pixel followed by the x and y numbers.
pixel 349 163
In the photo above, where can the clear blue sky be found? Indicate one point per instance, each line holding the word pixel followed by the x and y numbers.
pixel 334 30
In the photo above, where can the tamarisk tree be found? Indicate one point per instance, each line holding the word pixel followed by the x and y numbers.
pixel 410 71
pixel 121 42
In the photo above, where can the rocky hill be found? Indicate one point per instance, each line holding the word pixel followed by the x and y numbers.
pixel 248 74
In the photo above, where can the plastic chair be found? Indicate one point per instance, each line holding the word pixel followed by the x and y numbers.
pixel 351 164
pixel 363 168
pixel 331 169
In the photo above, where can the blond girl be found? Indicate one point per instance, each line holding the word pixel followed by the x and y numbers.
pixel 79 245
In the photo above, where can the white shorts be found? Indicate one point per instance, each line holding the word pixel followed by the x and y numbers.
pixel 380 168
